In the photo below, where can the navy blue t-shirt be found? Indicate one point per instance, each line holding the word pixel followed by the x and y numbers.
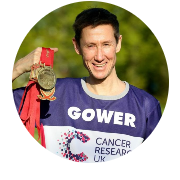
pixel 85 127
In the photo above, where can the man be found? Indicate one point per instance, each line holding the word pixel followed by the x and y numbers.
pixel 95 118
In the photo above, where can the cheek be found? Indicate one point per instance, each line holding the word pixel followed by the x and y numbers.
pixel 87 57
pixel 110 53
pixel 86 61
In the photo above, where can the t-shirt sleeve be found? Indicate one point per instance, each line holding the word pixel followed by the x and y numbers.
pixel 153 119
pixel 17 94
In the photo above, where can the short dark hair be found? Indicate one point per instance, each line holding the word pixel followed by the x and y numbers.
pixel 94 17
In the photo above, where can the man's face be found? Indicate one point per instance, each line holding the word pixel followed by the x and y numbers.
pixel 98 48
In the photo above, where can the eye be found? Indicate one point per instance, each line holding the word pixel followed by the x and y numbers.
pixel 106 44
pixel 90 45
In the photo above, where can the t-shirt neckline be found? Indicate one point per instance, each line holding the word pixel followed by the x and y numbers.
pixel 103 97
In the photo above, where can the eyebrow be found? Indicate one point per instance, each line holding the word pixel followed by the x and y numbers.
pixel 107 42
pixel 86 43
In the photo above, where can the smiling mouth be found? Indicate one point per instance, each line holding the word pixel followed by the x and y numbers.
pixel 99 65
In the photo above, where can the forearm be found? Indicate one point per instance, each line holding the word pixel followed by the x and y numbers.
pixel 17 70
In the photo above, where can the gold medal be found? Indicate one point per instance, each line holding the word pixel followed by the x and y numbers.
pixel 45 77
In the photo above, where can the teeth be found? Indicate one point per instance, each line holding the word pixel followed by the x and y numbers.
pixel 100 65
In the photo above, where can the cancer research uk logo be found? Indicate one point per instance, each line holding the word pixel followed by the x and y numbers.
pixel 65 149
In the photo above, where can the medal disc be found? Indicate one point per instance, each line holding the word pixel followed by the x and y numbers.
pixel 46 78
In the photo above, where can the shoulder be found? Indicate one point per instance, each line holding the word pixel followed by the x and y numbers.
pixel 18 92
pixel 67 80
pixel 144 98
pixel 68 84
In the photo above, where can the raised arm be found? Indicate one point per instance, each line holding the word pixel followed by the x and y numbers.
pixel 24 64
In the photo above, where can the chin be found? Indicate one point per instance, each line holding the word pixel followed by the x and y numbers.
pixel 102 77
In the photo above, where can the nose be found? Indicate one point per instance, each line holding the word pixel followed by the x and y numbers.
pixel 99 54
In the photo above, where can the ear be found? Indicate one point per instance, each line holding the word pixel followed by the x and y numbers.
pixel 76 46
pixel 118 47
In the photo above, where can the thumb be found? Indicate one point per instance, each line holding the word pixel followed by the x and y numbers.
pixel 54 49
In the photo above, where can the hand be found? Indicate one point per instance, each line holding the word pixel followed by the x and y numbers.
pixel 24 64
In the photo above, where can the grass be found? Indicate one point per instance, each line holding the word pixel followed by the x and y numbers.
pixel 36 136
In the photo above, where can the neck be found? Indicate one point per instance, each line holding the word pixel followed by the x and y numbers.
pixel 105 86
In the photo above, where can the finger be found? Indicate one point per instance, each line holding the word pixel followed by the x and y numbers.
pixel 54 49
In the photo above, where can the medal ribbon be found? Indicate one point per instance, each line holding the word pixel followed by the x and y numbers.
pixel 29 109
pixel 47 56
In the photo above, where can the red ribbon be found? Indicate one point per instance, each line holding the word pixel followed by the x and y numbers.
pixel 47 56
pixel 29 109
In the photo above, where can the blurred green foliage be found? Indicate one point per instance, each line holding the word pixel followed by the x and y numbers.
pixel 141 61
